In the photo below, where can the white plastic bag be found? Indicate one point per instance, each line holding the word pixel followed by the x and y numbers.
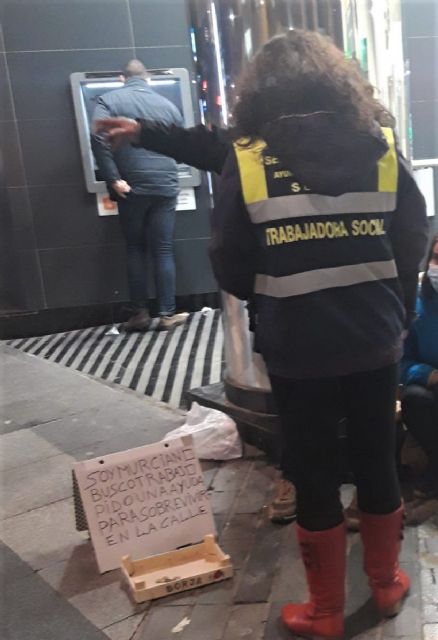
pixel 215 434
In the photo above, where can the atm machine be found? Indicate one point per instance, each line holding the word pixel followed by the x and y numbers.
pixel 87 87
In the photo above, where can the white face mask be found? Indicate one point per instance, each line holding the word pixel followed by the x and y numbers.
pixel 432 272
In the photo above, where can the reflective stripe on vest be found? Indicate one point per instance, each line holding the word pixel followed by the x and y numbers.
pixel 302 206
pixel 262 208
pixel 299 284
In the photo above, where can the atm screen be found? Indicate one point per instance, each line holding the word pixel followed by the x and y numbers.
pixel 173 84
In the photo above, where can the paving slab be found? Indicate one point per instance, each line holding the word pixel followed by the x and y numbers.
pixel 428 530
pixel 239 549
pixel 409 621
pixel 429 586
pixel 125 629
pixel 222 502
pixel 42 614
pixel 65 395
pixel 220 593
pixel 113 419
pixel 430 631
pixel 11 566
pixel 289 583
pixel 183 599
pixel 274 628
pixel 252 501
pixel 43 536
pixel 430 613
pixel 239 526
pixel 159 623
pixel 107 604
pixel 35 391
pixel 79 574
pixel 210 470
pixel 428 554
pixel 364 623
pixel 19 373
pixel 432 545
pixel 258 485
pixel 232 476
pixel 259 572
pixel 247 622
pixel 29 412
pixel 206 621
pixel 24 447
pixel 220 521
pixel 35 485
pixel 124 440
pixel 358 592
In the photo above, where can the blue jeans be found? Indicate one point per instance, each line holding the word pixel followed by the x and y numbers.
pixel 147 224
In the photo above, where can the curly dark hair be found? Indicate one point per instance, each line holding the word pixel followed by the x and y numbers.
pixel 303 72
pixel 427 291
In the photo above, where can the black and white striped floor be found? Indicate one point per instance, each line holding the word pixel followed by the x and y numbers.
pixel 160 364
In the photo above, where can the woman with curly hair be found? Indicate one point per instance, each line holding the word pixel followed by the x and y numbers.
pixel 319 223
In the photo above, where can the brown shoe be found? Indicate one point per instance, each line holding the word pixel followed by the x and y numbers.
pixel 282 509
pixel 168 322
pixel 138 322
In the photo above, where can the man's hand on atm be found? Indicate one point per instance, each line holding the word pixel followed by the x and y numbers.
pixel 118 130
pixel 121 187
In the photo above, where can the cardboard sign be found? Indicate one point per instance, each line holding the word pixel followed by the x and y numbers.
pixel 144 501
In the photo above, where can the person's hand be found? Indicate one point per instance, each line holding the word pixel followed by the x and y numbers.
pixel 433 379
pixel 119 130
pixel 121 187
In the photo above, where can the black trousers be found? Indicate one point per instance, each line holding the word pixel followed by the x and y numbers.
pixel 310 411
pixel 420 415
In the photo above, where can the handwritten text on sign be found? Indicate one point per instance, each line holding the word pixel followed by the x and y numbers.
pixel 144 501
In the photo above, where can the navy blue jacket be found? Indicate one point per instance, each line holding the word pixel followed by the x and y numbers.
pixel 147 173
pixel 333 330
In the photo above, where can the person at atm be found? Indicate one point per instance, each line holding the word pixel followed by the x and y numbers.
pixel 145 186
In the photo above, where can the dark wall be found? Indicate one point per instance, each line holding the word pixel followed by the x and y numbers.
pixel 60 253
pixel 420 31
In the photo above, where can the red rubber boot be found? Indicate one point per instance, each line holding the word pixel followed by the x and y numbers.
pixel 382 536
pixel 323 554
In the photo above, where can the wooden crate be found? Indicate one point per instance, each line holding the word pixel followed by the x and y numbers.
pixel 169 573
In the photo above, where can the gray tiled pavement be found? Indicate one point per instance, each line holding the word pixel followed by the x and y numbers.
pixel 52 416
